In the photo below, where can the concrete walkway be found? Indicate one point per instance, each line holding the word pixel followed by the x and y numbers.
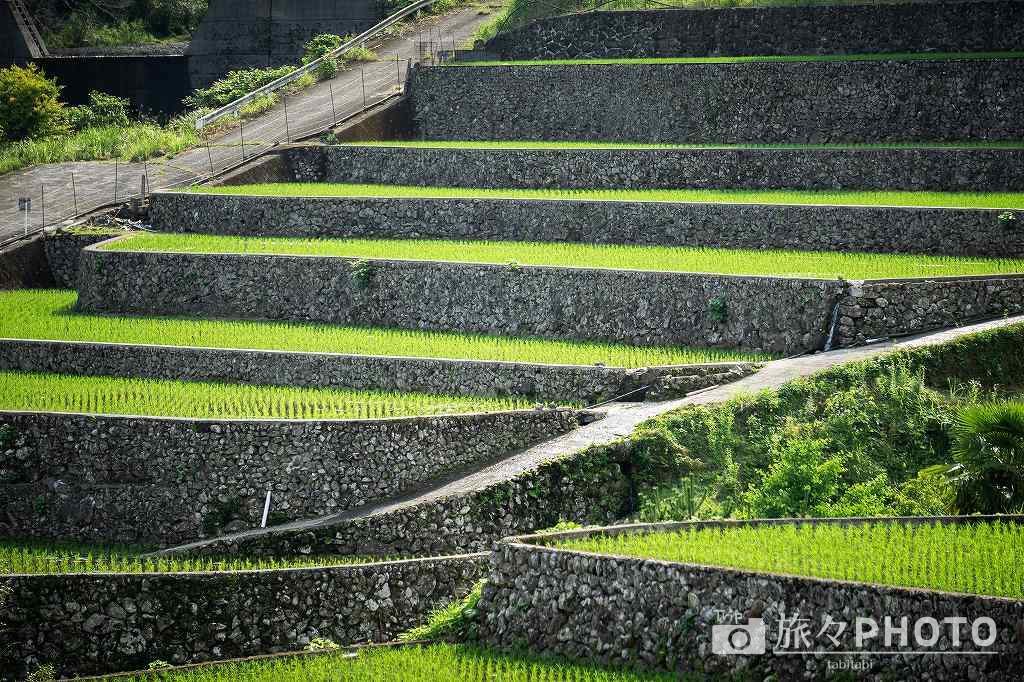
pixel 95 182
pixel 619 421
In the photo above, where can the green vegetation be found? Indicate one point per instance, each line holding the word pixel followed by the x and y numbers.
pixel 433 663
pixel 41 314
pixel 860 439
pixel 453 622
pixel 813 264
pixel 808 197
pixel 104 23
pixel 980 558
pixel 159 398
pixel 55 558
pixel 29 104
pixel 901 56
pixel 572 144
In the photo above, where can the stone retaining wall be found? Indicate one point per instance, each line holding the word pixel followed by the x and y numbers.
pixel 62 252
pixel 876 309
pixel 149 480
pixel 926 169
pixel 910 27
pixel 936 231
pixel 588 384
pixel 771 314
pixel 767 102
pixel 660 615
pixel 103 623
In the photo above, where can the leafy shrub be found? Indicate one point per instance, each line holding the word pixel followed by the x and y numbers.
pixel 659 456
pixel 1008 219
pixel 988 449
pixel 29 104
pixel 321 644
pixel 233 86
pixel 318 47
pixel 102 110
pixel 158 665
pixel 133 32
pixel 718 309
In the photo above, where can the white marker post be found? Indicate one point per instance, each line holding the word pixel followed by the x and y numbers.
pixel 25 206
pixel 266 510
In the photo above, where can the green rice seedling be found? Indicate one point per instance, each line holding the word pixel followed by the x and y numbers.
pixel 993 200
pixel 51 557
pixel 22 391
pixel 433 663
pixel 975 558
pixel 878 57
pixel 48 314
pixel 779 263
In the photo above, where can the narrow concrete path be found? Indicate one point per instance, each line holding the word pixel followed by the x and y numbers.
pixel 619 421
pixel 96 183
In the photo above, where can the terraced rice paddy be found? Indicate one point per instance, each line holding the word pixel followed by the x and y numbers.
pixel 982 558
pixel 877 57
pixel 993 200
pixel 434 663
pixel 22 391
pixel 828 265
pixel 47 314
pixel 34 557
pixel 571 144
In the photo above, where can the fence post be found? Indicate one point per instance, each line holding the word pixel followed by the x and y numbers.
pixel 42 197
pixel 362 78
pixel 74 192
pixel 287 130
pixel 241 134
pixel 398 74
pixel 334 112
pixel 209 155
pixel 115 179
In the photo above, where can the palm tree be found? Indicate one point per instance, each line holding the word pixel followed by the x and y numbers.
pixel 988 447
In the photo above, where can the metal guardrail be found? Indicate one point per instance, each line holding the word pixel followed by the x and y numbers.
pixel 359 41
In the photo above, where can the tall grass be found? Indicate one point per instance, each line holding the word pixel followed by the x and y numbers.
pixel 780 263
pixel 138 142
pixel 878 57
pixel 43 557
pixel 982 558
pixel 32 392
pixel 808 197
pixel 434 663
pixel 42 314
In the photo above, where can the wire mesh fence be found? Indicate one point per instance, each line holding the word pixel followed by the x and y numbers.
pixel 53 196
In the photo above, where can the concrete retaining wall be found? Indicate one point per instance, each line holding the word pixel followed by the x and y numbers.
pixel 936 231
pixel 909 27
pixel 771 314
pixel 150 480
pixel 768 102
pixel 103 623
pixel 587 383
pixel 660 615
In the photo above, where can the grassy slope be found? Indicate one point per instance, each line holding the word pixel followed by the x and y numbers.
pixel 649 258
pixel 979 559
pixel 114 395
pixel 895 56
pixel 40 314
pixel 51 557
pixel 433 663
pixel 993 200
pixel 571 144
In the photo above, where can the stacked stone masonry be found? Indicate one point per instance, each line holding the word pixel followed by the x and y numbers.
pixel 62 253
pixel 936 231
pixel 764 102
pixel 771 314
pixel 148 480
pixel 660 615
pixel 91 624
pixel 903 27
pixel 588 384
